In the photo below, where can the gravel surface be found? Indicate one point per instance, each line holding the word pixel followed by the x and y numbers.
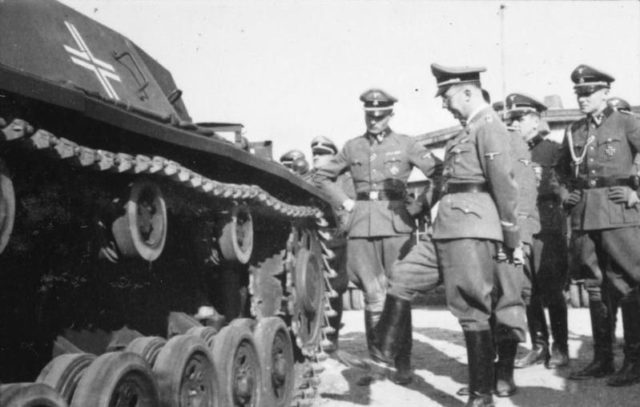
pixel 439 360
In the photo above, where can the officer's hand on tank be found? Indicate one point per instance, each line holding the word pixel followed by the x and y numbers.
pixel 573 199
pixel 623 195
pixel 348 205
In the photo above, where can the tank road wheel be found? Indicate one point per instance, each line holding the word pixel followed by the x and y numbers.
pixel 309 297
pixel 236 237
pixel 7 206
pixel 142 231
pixel 238 367
pixel 148 347
pixel 64 372
pixel 117 379
pixel 276 358
pixel 29 395
pixel 186 375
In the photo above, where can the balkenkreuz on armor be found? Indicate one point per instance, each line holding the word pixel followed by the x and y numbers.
pixel 476 220
pixel 596 166
pixel 380 221
pixel 546 268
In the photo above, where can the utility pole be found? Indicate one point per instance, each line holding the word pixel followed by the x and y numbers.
pixel 503 58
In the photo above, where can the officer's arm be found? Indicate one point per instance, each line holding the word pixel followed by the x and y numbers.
pixel 326 176
pixel 431 167
pixel 493 150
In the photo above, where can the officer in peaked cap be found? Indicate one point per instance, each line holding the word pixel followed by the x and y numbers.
pixel 619 104
pixel 322 151
pixel 600 192
pixel 289 157
pixel 477 216
pixel 546 262
pixel 380 220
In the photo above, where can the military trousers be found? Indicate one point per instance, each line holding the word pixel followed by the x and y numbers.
pixel 610 255
pixel 546 267
pixel 482 293
pixel 416 273
pixel 369 262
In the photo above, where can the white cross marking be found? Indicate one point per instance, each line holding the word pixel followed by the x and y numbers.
pixel 85 59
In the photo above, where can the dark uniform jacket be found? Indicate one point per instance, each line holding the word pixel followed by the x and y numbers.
pixel 379 167
pixel 545 153
pixel 479 154
pixel 525 176
pixel 609 149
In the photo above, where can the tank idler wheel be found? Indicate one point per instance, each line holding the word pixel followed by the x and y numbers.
pixel 236 236
pixel 117 379
pixel 142 231
pixel 238 367
pixel 309 297
pixel 7 206
pixel 206 333
pixel 30 395
pixel 148 347
pixel 64 372
pixel 186 375
pixel 275 350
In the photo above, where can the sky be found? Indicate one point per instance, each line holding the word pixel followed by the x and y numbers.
pixel 290 70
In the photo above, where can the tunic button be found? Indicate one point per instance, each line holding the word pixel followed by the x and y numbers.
pixel 591 148
pixel 593 171
pixel 592 182
pixel 591 159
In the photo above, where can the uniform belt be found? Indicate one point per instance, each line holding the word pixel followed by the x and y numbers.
pixel 603 182
pixel 380 195
pixel 460 187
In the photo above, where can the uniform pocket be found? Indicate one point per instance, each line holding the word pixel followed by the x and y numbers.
pixel 607 149
pixel 466 206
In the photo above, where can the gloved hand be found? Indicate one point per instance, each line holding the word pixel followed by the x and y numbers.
pixel 513 256
pixel 623 195
pixel 348 205
pixel 573 199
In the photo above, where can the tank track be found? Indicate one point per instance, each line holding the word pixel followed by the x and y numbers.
pixel 22 134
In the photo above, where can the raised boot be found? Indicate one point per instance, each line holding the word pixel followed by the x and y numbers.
pixel 539 352
pixel 630 372
pixel 505 385
pixel 391 330
pixel 480 355
pixel 559 331
pixel 601 326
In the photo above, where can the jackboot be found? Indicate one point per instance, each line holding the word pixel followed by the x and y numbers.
pixel 539 352
pixel 601 327
pixel 371 319
pixel 629 373
pixel 403 374
pixel 560 332
pixel 480 354
pixel 336 323
pixel 391 331
pixel 505 386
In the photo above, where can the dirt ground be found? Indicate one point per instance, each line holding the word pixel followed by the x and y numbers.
pixel 439 360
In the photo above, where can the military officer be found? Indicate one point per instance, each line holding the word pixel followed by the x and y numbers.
pixel 295 161
pixel 596 164
pixel 547 268
pixel 476 220
pixel 322 151
pixel 380 223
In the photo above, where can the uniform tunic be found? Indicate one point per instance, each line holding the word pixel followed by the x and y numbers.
pixel 469 227
pixel 379 229
pixel 602 228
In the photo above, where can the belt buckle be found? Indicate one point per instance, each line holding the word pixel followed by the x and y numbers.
pixel 374 195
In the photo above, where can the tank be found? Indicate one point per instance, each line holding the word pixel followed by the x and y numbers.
pixel 144 259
